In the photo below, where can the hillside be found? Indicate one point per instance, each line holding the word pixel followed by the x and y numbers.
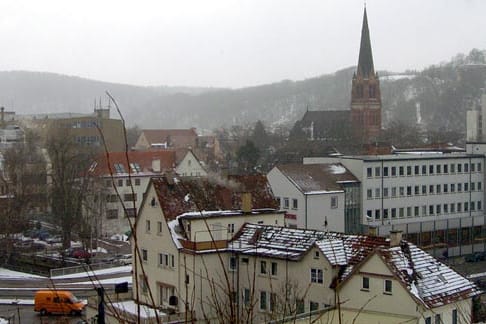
pixel 435 98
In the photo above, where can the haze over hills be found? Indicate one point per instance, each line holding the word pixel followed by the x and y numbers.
pixel 436 97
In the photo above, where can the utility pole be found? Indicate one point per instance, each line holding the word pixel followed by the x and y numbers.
pixel 101 305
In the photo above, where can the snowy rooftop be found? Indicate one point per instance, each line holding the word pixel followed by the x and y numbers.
pixel 317 178
pixel 428 280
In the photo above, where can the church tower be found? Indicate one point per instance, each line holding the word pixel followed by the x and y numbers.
pixel 365 92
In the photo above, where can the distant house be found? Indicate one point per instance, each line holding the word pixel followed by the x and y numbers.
pixel 166 138
pixel 317 196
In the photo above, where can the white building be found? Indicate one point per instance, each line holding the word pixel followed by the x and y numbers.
pixel 436 199
pixel 316 196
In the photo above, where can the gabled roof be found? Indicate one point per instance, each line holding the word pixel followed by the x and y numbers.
pixel 141 162
pixel 428 280
pixel 181 195
pixel 317 178
pixel 163 135
pixel 365 61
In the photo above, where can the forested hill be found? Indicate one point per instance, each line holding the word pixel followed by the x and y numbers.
pixel 436 97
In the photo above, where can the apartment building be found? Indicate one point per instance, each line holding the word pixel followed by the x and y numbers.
pixel 436 199
pixel 196 262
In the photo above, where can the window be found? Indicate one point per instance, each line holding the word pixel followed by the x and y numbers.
pixel 377 193
pixel 453 168
pixel 402 191
pixel 286 203
pixel 246 296
pixel 416 170
pixel 424 190
pixel 400 171
pixel 446 168
pixel 473 206
pixel 278 201
pixel 130 212
pixel 232 263
pixel 369 194
pixel 466 187
pixel 334 202
pixel 377 214
pixel 147 226
pixel 263 267
pixel 385 213
pixel 245 260
pixel 385 171
pixel 313 306
pixel 437 209
pixel 473 186
pixel 394 191
pixel 108 183
pixel 428 320
pixel 424 169
pixel 119 168
pixel 446 208
pixel 431 210
pixel 409 211
pixel 377 172
pixel 480 186
pixel 416 190
pixel 459 167
pixel 431 189
pixel 438 320
pixel 159 227
pixel 137 182
pixel 453 208
pixel 453 187
pixel 466 206
pixel 128 183
pixel 437 189
pixel 459 207
pixel 431 169
pixel 295 204
pixel 473 167
pixel 394 171
pixel 387 286
pixel 120 182
pixel 274 268
pixel 263 300
pixel 454 316
pixel 144 255
pixel 369 172
pixel 401 212
pixel 112 213
pixel 424 210
pixel 416 211
pixel 385 192
pixel 459 187
pixel 366 283
pixel 231 228
pixel 166 260
pixel 316 276
pixel 446 188
pixel 130 197
pixel 479 166
pixel 317 255
pixel 480 205
pixel 394 213
pixel 466 167
pixel 409 190
pixel 438 169
pixel 299 306
pixel 409 170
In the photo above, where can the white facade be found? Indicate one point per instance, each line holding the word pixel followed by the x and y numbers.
pixel 432 197
pixel 190 166
pixel 320 210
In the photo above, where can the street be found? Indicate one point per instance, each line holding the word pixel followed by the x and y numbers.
pixel 25 314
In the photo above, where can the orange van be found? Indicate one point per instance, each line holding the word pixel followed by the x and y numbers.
pixel 57 301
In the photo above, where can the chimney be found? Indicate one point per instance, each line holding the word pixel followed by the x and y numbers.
pixel 395 238
pixel 156 165
pixel 246 202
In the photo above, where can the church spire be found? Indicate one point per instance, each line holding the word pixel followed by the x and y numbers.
pixel 365 61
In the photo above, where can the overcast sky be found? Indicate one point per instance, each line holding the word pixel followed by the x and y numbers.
pixel 230 43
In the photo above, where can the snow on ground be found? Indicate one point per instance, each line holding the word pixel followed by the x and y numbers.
pixel 4 301
pixel 9 274
pixel 103 281
pixel 129 306
pixel 114 270
pixel 3 321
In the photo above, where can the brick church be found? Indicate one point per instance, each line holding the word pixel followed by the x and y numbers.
pixel 362 121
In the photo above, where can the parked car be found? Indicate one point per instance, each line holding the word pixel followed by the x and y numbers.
pixel 123 259
pixel 78 253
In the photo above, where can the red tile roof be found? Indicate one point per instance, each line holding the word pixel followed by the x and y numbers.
pixel 143 159
pixel 180 195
